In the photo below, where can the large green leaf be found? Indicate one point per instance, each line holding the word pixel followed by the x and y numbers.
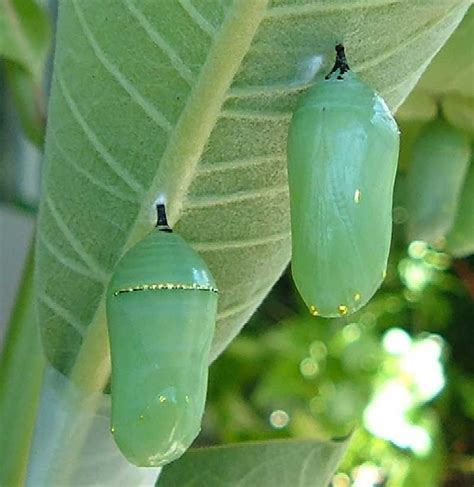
pixel 286 463
pixel 191 100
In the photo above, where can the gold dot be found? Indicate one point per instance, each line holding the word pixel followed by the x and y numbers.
pixel 343 309
pixel 162 398
pixel 313 310
pixel 141 417
pixel 356 296
pixel 112 430
pixel 357 195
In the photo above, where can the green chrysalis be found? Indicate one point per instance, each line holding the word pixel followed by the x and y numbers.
pixel 342 157
pixel 161 312
pixel 440 159
pixel 460 239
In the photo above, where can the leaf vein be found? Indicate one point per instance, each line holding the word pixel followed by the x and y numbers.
pixel 194 203
pixel 197 17
pixel 266 90
pixel 158 40
pixel 92 138
pixel 94 180
pixel 67 262
pixel 304 467
pixel 316 8
pixel 256 115
pixel 239 244
pixel 233 310
pixel 239 163
pixel 62 313
pixel 72 239
pixel 155 115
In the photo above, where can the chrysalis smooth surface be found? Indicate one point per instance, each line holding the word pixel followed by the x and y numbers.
pixel 342 157
pixel 460 239
pixel 161 313
pixel 440 159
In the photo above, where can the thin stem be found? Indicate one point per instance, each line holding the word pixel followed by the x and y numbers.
pixel 21 373
pixel 340 64
pixel 161 220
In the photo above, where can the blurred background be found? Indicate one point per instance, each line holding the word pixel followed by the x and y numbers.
pixel 398 374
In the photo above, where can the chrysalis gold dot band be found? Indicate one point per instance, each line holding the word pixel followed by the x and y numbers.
pixel 167 286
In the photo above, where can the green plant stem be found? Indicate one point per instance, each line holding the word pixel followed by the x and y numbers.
pixel 21 371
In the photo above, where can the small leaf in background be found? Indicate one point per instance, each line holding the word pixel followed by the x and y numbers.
pixel 452 71
pixel 447 82
pixel 29 101
pixel 25 36
pixel 282 463
pixel 459 110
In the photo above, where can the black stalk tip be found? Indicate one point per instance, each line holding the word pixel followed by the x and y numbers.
pixel 161 220
pixel 341 62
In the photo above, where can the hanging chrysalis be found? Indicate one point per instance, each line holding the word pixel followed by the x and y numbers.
pixel 161 312
pixel 460 239
pixel 342 158
pixel 440 159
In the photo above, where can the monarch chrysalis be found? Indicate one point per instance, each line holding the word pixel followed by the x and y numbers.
pixel 161 312
pixel 440 159
pixel 460 239
pixel 342 158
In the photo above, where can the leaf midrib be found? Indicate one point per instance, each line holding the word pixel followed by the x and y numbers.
pixel 178 163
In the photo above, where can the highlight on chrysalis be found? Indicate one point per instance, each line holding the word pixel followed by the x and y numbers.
pixel 343 148
pixel 161 314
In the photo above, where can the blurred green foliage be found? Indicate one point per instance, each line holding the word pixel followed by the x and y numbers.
pixel 291 375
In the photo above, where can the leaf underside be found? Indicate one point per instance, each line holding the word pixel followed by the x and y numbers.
pixel 190 101
pixel 266 464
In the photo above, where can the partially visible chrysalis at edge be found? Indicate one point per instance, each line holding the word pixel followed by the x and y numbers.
pixel 342 157
pixel 460 239
pixel 439 162
pixel 161 313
